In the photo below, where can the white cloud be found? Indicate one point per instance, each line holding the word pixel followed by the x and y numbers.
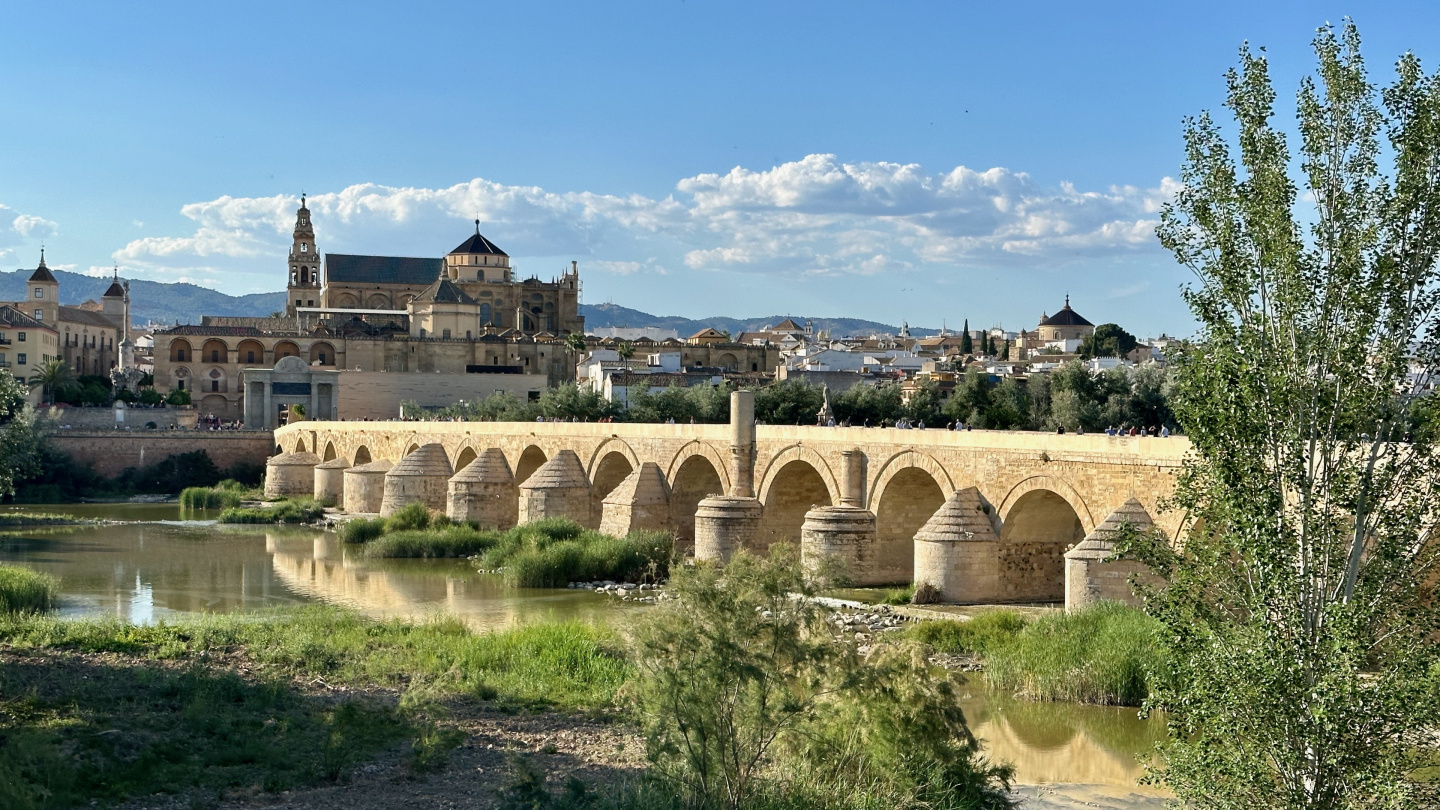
pixel 817 216
pixel 23 228
pixel 33 227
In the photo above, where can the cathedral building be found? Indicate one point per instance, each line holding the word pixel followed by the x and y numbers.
pixel 464 316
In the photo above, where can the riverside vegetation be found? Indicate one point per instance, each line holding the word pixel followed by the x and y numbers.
pixel 545 554
pixel 747 696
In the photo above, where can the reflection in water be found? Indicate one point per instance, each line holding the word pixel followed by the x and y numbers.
pixel 323 568
pixel 1064 742
pixel 145 572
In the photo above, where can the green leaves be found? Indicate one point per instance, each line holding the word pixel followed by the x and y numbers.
pixel 1293 610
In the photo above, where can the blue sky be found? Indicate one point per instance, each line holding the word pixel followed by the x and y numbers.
pixel 890 161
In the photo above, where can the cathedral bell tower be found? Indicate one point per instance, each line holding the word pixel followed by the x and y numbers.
pixel 304 287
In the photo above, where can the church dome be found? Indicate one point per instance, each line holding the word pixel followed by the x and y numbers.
pixel 42 273
pixel 1065 317
pixel 479 245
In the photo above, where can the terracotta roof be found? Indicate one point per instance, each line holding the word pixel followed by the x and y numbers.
pixel 85 316
pixel 10 316
pixel 707 332
pixel 787 325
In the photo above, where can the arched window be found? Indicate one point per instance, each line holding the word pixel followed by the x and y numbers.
pixel 484 313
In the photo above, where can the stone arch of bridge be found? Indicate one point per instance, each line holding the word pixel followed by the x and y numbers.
pixel 603 451
pixel 696 478
pixel 719 464
pixel 330 453
pixel 799 452
pixel 362 456
pixel 898 463
pixel 607 473
pixel 793 486
pixel 908 491
pixel 1041 518
pixel 1049 483
pixel 462 460
pixel 528 462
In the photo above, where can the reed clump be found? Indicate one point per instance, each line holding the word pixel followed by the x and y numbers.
pixel 304 510
pixel 1105 654
pixel 25 591
pixel 227 494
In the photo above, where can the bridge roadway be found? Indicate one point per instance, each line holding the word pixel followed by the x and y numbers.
pixel 1048 491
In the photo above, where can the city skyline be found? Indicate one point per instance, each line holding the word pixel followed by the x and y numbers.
pixel 896 168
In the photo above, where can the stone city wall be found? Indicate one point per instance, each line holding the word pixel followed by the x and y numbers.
pixel 110 452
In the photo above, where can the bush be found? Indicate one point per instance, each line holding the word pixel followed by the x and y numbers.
pixel 751 700
pixel 210 498
pixel 553 553
pixel 452 541
pixel 978 636
pixel 25 591
pixel 300 511
pixel 1102 654
pixel 410 516
pixel 362 530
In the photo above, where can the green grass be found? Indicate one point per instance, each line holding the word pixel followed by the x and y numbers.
pixel 227 494
pixel 1102 654
pixel 978 636
pixel 361 530
pixel 551 553
pixel 451 541
pixel 566 665
pixel 545 554
pixel 78 730
pixel 306 510
pixel 8 519
pixel 25 591
pixel 898 596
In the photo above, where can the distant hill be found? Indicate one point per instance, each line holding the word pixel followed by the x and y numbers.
pixel 156 301
pixel 603 315
pixel 176 302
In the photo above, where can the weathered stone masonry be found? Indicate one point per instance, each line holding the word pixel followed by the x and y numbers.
pixel 876 490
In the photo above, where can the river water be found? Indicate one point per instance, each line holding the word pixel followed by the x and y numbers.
pixel 160 564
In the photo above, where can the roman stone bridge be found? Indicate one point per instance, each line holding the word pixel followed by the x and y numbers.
pixel 981 515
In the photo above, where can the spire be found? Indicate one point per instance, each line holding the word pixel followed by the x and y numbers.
pixel 477 227
pixel 1067 300
pixel 42 254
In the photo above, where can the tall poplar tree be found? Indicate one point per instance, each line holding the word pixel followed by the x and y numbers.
pixel 1299 612
pixel 965 345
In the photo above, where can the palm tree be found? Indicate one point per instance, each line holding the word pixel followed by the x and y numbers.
pixel 54 378
pixel 626 351
pixel 577 342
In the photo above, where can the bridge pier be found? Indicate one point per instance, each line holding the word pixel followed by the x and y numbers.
pixel 1090 575
pixel 957 550
pixel 290 474
pixel 330 480
pixel 558 489
pixel 843 536
pixel 365 487
pixel 420 477
pixel 641 502
pixel 485 492
pixel 725 523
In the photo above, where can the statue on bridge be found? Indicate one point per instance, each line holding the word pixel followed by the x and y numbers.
pixel 825 416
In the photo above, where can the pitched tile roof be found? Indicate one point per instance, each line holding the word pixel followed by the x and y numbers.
pixel 479 244
pixel 444 291
pixel 344 268
pixel 87 317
